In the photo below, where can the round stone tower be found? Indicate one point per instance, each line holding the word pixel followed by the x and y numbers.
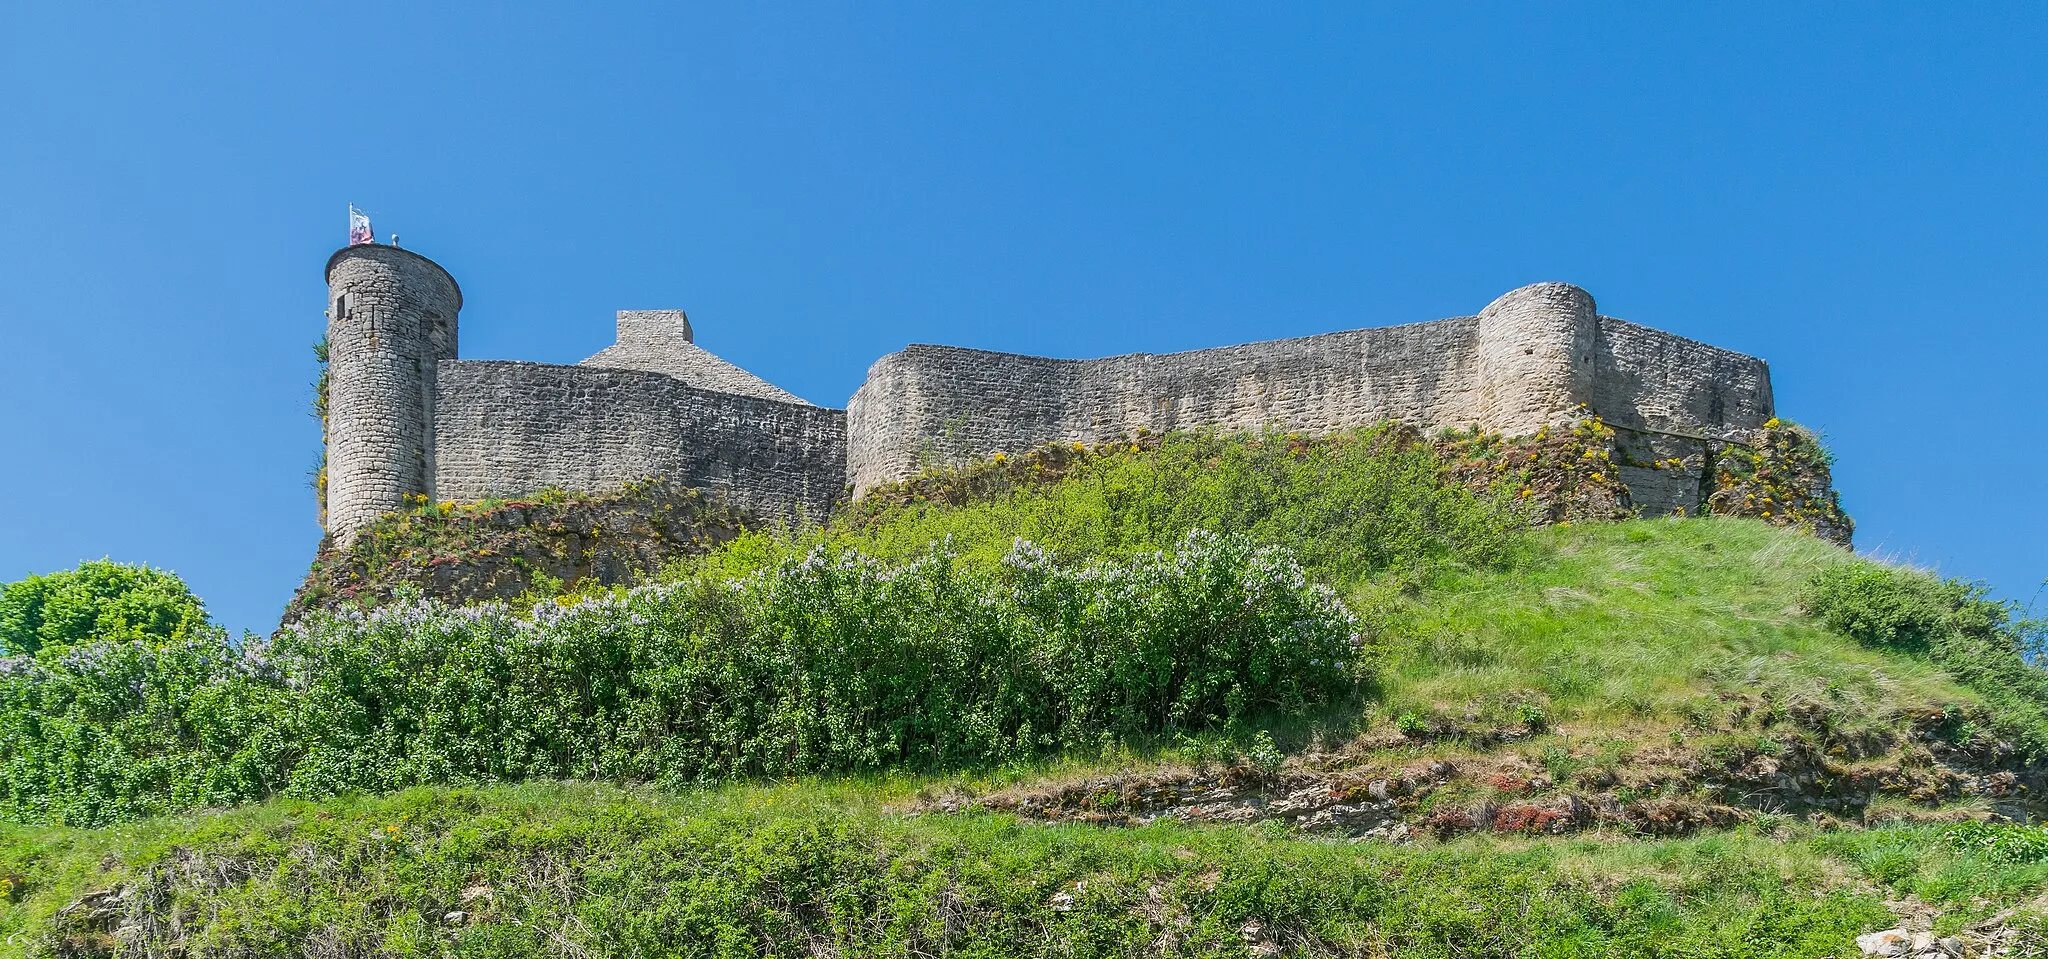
pixel 1536 348
pixel 391 318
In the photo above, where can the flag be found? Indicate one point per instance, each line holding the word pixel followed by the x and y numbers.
pixel 359 227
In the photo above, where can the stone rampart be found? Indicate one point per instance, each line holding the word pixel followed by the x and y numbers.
pixel 504 428
pixel 1540 355
pixel 1645 379
pixel 931 405
pixel 406 417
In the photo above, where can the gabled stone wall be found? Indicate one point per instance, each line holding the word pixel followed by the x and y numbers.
pixel 505 429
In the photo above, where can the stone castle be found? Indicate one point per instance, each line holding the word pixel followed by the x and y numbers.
pixel 408 417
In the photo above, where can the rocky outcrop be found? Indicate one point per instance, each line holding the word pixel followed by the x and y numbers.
pixel 502 549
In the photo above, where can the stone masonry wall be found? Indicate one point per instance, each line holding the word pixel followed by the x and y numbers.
pixel 937 404
pixel 1652 380
pixel 407 417
pixel 505 428
pixel 391 317
pixel 1536 356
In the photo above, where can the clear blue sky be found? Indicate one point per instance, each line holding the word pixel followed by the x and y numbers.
pixel 1854 192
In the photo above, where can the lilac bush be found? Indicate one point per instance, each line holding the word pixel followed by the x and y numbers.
pixel 827 661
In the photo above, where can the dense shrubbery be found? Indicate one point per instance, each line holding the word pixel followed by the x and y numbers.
pixel 831 661
pixel 119 729
pixel 1979 641
pixel 2007 843
pixel 1350 505
pixel 98 600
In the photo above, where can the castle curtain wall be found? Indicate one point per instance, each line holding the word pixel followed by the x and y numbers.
pixel 1652 380
pixel 1539 355
pixel 937 404
pixel 408 418
pixel 507 429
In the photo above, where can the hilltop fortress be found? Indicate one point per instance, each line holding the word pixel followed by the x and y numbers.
pixel 407 416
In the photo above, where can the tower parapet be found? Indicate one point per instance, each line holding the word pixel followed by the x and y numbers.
pixel 391 319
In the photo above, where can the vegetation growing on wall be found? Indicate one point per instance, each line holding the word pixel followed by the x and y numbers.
pixel 538 546
pixel 1351 504
pixel 1565 474
pixel 1783 478
pixel 319 472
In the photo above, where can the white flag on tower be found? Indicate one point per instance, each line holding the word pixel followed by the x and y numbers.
pixel 359 227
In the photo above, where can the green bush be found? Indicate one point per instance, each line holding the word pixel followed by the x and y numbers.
pixel 1351 505
pixel 2004 843
pixel 120 729
pixel 829 661
pixel 98 600
pixel 1979 641
pixel 1893 608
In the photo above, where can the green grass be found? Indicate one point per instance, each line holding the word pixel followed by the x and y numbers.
pixel 1614 624
pixel 815 869
pixel 1368 502
pixel 1601 644
pixel 818 868
pixel 1622 633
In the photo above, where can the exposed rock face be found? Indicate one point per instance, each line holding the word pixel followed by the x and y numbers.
pixel 501 550
pixel 1378 787
pixel 1782 477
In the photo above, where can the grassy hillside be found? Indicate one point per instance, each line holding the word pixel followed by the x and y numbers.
pixel 1421 728
pixel 816 869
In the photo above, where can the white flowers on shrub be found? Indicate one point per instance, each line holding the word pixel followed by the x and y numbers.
pixel 835 660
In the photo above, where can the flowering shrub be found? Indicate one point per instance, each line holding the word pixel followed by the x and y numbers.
pixel 119 729
pixel 832 660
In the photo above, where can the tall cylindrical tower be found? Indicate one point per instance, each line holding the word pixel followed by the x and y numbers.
pixel 1536 347
pixel 391 318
